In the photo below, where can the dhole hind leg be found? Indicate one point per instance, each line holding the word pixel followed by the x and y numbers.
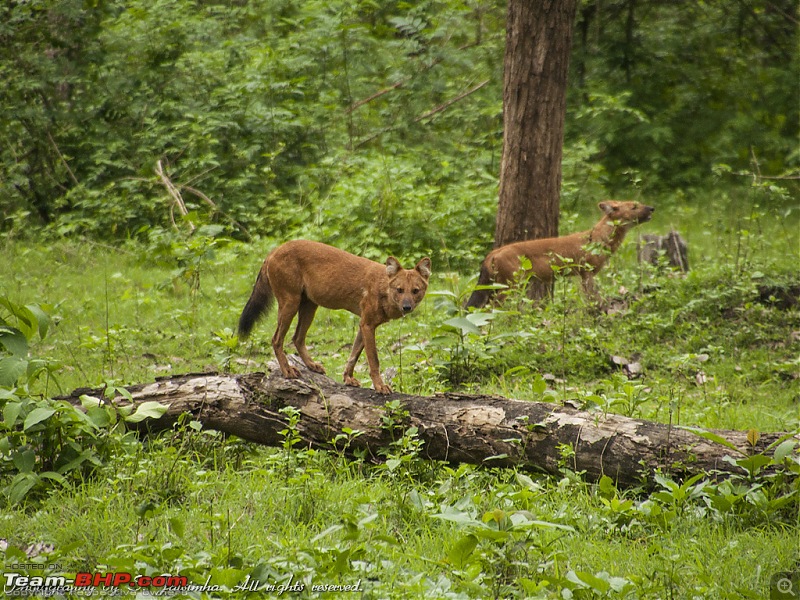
pixel 358 346
pixel 305 316
pixel 287 309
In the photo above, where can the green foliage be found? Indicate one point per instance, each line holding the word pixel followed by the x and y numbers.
pixel 18 325
pixel 665 93
pixel 252 110
pixel 363 124
pixel 45 442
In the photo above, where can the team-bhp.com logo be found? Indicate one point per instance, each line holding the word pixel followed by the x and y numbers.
pixel 16 584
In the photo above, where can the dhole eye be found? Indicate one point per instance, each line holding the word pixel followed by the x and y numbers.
pixel 415 291
pixel 400 290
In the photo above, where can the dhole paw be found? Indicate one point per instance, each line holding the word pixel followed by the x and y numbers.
pixel 382 388
pixel 291 372
pixel 316 367
pixel 351 381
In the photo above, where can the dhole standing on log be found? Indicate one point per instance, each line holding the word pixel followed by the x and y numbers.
pixel 303 275
pixel 584 253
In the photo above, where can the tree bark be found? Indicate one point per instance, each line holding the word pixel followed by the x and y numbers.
pixel 476 429
pixel 536 64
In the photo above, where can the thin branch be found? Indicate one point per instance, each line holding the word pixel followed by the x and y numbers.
pixel 775 177
pixel 63 160
pixel 402 82
pixel 450 102
pixel 177 199
pixel 377 94
pixel 757 173
pixel 208 200
pixel 424 116
pixel 374 136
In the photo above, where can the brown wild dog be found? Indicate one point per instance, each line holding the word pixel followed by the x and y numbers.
pixel 303 275
pixel 583 253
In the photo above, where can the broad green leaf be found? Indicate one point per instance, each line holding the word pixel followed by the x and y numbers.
pixel 209 230
pixel 14 341
pixel 666 482
pixel 606 487
pixel 14 554
pixel 783 450
pixel 148 507
pixel 392 464
pixel 21 485
pixel 462 550
pixel 99 417
pixel 753 464
pixel 25 319
pixel 480 319
pixel 11 369
pixel 527 482
pixel 147 410
pixel 42 318
pixel 491 286
pixel 10 413
pixel 328 531
pixel 463 324
pixel 456 516
pixel 54 476
pixel 712 437
pixel 442 293
pixel 78 461
pixel 528 524
pixel 24 460
pixel 584 579
pixel 36 416
pixel 89 401
pixel 178 525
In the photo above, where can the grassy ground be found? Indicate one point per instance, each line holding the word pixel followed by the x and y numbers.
pixel 713 353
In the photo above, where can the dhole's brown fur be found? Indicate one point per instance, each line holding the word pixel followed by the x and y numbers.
pixel 585 253
pixel 302 275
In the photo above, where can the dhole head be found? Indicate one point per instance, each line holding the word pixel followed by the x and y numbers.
pixel 626 212
pixel 407 287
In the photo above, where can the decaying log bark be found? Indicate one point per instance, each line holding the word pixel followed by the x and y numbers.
pixel 485 430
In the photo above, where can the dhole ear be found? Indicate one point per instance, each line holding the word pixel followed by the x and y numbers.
pixel 424 267
pixel 393 266
pixel 607 207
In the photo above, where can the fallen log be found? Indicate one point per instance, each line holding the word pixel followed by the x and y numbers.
pixel 477 429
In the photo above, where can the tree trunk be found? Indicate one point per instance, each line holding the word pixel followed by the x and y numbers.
pixel 476 429
pixel 538 42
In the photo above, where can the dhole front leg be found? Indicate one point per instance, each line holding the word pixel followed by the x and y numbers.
pixel 366 339
pixel 371 347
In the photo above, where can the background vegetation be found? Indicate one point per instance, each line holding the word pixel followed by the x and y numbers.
pixel 270 119
pixel 375 126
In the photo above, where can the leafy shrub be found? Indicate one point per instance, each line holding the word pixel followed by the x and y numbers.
pixel 45 442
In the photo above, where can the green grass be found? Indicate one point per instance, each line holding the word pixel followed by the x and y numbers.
pixel 712 354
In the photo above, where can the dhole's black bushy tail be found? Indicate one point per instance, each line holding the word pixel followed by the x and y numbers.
pixel 479 298
pixel 260 302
